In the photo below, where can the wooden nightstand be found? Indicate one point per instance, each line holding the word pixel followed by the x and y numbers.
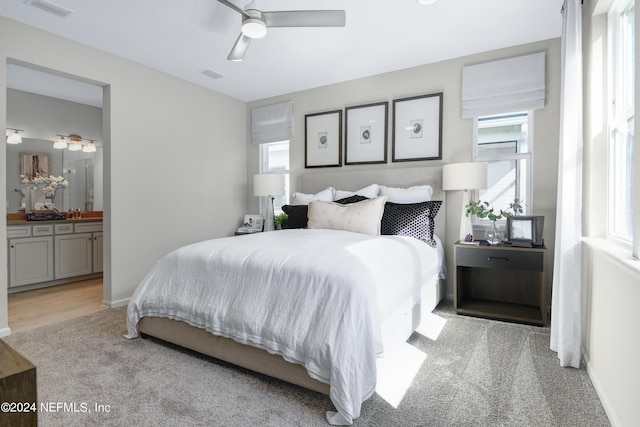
pixel 501 282
pixel 18 386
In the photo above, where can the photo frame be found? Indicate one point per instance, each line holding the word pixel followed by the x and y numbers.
pixel 252 224
pixel 323 139
pixel 366 134
pixel 521 230
pixel 417 128
pixel 34 164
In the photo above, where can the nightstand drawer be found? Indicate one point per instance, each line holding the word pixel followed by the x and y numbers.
pixel 508 259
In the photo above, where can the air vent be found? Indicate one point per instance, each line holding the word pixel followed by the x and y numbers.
pixel 212 74
pixel 50 7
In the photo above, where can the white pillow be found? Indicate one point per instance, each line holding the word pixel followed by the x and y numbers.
pixel 370 192
pixel 361 217
pixel 326 195
pixel 417 194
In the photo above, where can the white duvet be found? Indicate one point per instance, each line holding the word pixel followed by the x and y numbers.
pixel 315 297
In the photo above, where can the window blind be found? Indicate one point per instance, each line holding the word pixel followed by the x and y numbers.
pixel 508 85
pixel 272 123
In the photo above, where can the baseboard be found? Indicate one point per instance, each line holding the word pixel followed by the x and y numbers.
pixel 115 304
pixel 5 332
pixel 606 404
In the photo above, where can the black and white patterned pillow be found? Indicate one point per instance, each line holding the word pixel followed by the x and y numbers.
pixel 414 219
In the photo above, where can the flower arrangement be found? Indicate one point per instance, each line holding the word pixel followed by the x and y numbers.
pixel 47 184
pixel 482 210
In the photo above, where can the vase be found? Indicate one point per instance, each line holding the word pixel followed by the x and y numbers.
pixel 493 234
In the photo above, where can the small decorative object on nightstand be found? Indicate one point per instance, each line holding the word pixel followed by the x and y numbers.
pixel 501 282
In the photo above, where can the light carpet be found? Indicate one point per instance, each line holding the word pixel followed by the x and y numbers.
pixel 477 372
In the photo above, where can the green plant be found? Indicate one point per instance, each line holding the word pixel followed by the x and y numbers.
pixel 281 219
pixel 483 210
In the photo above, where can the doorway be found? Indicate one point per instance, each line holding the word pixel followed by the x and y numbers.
pixel 45 104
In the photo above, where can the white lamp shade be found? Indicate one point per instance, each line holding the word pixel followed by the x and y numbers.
pixel 464 176
pixel 268 184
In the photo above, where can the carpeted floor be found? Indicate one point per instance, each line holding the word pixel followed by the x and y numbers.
pixel 476 373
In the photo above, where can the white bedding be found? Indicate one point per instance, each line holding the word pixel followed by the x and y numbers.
pixel 315 297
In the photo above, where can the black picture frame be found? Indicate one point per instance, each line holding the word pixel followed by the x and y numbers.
pixel 417 128
pixel 366 133
pixel 323 139
pixel 521 230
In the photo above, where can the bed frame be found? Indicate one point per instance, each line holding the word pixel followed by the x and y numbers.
pixel 258 360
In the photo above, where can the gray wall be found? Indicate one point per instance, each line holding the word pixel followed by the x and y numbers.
pixel 444 77
pixel 174 162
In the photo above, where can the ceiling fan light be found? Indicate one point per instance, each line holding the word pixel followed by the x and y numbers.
pixel 14 138
pixel 254 28
pixel 426 2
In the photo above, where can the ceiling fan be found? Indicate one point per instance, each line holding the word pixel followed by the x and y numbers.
pixel 255 23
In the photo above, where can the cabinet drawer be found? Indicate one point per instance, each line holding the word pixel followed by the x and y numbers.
pixel 88 227
pixel 19 231
pixel 42 230
pixel 500 259
pixel 64 228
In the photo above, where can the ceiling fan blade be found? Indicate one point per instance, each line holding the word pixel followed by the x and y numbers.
pixel 234 7
pixel 239 48
pixel 305 18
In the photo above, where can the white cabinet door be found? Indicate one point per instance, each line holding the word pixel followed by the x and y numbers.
pixel 97 252
pixel 73 255
pixel 30 260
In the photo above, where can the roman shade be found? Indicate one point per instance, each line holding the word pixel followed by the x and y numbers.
pixel 505 86
pixel 272 123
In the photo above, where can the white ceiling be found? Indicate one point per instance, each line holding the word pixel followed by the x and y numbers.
pixel 184 38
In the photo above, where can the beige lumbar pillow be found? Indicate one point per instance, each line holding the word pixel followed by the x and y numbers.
pixel 361 217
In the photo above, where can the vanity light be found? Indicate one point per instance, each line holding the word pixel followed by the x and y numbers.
pixel 90 147
pixel 75 143
pixel 60 143
pixel 15 137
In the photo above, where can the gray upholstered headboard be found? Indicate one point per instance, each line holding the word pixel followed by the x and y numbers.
pixel 314 182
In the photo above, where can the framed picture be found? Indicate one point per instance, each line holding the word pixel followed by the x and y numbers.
pixel 417 128
pixel 521 230
pixel 323 139
pixel 252 224
pixel 366 134
pixel 34 164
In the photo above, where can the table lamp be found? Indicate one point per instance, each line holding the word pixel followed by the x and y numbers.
pixel 268 185
pixel 465 177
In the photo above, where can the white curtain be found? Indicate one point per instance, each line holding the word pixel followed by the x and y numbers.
pixel 505 86
pixel 272 123
pixel 566 297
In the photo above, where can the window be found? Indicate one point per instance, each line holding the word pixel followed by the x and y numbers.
pixel 274 158
pixel 505 143
pixel 621 120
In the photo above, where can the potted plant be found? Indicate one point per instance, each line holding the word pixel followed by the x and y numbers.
pixel 280 220
pixel 482 210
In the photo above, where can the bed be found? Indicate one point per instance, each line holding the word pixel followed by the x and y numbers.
pixel 314 307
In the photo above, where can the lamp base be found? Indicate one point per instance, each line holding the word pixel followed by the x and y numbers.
pixel 269 222
pixel 466 229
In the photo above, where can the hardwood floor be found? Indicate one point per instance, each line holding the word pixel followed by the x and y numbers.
pixel 31 309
